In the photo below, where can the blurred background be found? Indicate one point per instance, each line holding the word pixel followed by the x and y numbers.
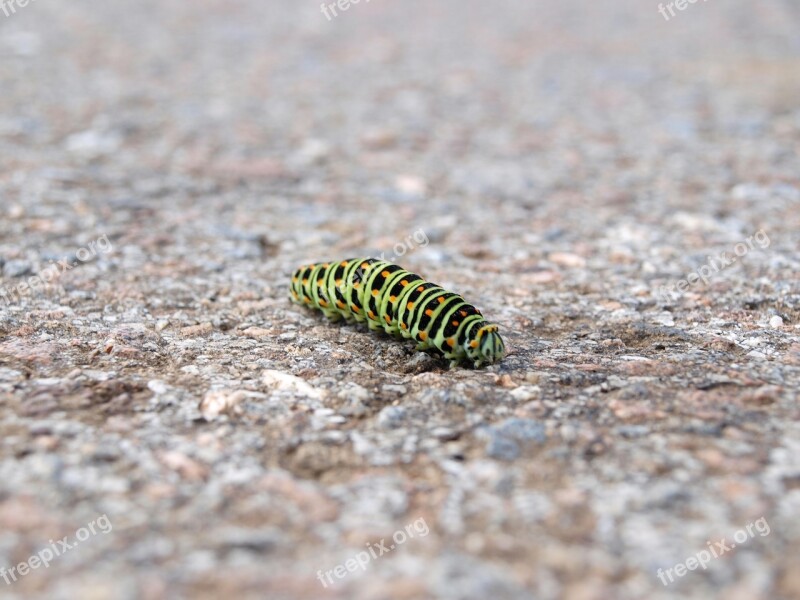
pixel 570 163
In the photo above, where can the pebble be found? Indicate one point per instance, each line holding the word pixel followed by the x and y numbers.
pixel 507 437
pixel 525 392
pixel 216 403
pixel 17 268
pixel 279 380
pixel 392 417
pixel 394 389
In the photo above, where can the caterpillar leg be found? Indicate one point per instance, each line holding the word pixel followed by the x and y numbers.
pixel 394 331
pixel 333 315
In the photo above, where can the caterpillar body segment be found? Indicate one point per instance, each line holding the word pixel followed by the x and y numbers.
pixel 387 297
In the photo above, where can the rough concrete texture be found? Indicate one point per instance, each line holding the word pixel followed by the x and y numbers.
pixel 569 163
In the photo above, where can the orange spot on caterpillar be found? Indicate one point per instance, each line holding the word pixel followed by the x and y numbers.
pixel 451 342
pixel 294 279
pixel 403 326
pixel 463 313
pixel 473 344
pixel 323 303
pixel 365 266
pixel 340 304
pixel 455 323
pixel 343 263
pixel 354 308
pixel 421 288
pixel 440 299
pixel 410 305
pixel 338 283
pixel 388 319
pixel 375 292
pixel 307 299
pixel 371 315
pixel 356 285
pixel 423 336
pixel 392 298
pixel 305 281
pixel 319 282
pixel 385 274
pixel 429 312
pixel 404 283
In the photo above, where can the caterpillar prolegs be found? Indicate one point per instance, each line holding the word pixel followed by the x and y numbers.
pixel 387 297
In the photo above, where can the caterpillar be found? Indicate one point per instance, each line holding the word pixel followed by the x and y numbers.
pixel 386 296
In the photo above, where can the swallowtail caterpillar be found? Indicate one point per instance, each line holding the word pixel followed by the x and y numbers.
pixel 385 296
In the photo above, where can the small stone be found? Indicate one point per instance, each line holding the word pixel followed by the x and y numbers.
pixel 354 393
pixel 507 437
pixel 194 330
pixel 392 417
pixel 533 377
pixel 216 403
pixel 776 322
pixel 93 143
pixel 157 386
pixel 565 259
pixel 257 332
pixel 525 393
pixel 285 381
pixel 506 381
pixel 522 429
pixel 502 448
pixel 413 187
pixel 379 139
pixel 312 152
pixel 186 467
pixel 17 268
pixel 259 541
pixel 444 433
pixel 391 388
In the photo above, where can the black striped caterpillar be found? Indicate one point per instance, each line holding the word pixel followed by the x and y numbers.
pixel 387 297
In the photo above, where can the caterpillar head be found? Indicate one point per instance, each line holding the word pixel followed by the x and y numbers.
pixel 484 345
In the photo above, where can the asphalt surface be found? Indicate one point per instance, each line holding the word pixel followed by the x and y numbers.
pixel 619 191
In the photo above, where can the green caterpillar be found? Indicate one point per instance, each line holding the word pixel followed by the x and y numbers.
pixel 387 297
